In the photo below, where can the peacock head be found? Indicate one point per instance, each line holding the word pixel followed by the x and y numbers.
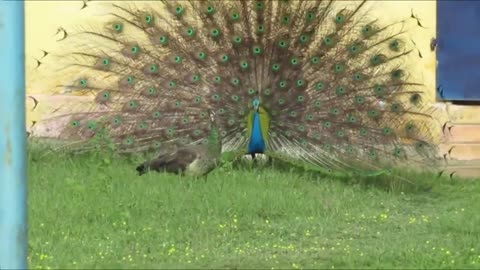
pixel 256 104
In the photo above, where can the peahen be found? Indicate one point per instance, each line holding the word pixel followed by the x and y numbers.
pixel 192 160
pixel 313 83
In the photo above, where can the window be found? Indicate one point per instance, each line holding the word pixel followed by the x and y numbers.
pixel 458 50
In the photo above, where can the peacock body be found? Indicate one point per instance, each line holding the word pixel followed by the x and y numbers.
pixel 309 82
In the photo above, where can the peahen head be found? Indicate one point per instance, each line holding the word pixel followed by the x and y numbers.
pixel 212 117
pixel 214 123
pixel 214 139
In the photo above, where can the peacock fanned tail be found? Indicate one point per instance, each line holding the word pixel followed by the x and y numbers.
pixel 333 86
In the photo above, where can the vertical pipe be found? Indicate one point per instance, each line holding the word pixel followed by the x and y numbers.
pixel 13 176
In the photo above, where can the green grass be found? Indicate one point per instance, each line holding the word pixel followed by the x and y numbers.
pixel 94 212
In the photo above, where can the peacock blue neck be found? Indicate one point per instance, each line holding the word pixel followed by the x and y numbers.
pixel 257 143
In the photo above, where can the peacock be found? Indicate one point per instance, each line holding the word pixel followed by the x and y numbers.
pixel 192 160
pixel 312 83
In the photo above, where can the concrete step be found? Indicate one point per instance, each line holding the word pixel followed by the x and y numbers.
pixel 466 173
pixel 463 114
pixel 464 168
pixel 461 151
pixel 463 133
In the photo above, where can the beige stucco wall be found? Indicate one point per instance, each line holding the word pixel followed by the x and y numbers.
pixel 44 17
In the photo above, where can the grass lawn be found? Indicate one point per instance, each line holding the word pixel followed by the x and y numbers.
pixel 95 212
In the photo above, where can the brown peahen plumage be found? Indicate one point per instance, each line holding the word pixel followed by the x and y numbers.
pixel 309 82
pixel 192 160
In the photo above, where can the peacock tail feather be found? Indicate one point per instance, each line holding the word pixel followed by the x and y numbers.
pixel 312 82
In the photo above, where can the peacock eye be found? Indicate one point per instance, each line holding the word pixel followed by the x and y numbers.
pixel 202 55
pixel 190 32
pixel 366 30
pixel 118 27
pixel 235 81
pixel 257 50
pixel 148 19
pixel 310 16
pixel 261 29
pixel 163 39
pixel 179 10
pixel 303 38
pixel 215 32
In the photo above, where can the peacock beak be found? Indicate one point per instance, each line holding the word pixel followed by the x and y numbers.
pixel 256 105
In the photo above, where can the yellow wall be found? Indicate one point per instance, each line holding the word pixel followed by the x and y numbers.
pixel 44 17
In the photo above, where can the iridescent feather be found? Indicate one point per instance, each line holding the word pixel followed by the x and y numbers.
pixel 310 82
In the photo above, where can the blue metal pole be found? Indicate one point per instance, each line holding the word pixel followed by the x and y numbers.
pixel 13 176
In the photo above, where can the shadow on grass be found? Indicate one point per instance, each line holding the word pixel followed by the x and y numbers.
pixel 392 181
